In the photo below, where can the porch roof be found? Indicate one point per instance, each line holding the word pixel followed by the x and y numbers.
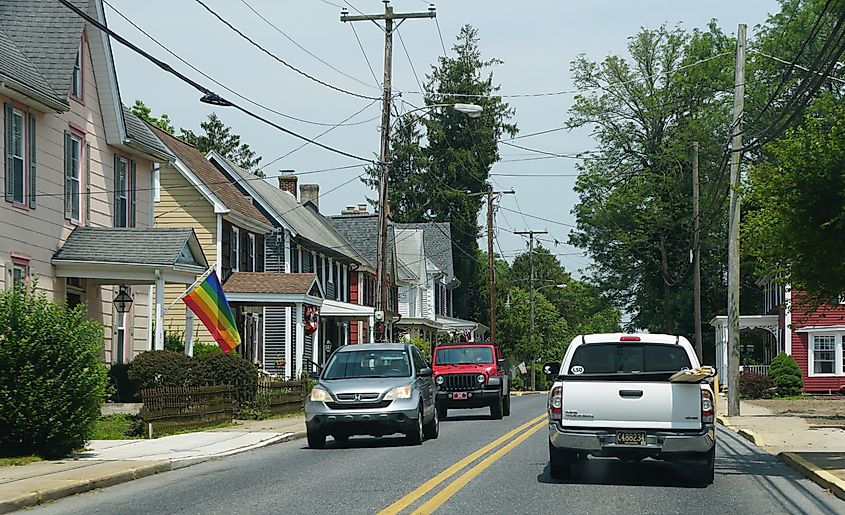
pixel 130 255
pixel 263 288
pixel 459 324
pixel 748 321
pixel 416 321
pixel 334 308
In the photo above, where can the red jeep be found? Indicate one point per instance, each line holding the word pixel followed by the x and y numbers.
pixel 471 375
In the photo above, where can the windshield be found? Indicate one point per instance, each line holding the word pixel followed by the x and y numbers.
pixel 626 358
pixel 463 355
pixel 368 363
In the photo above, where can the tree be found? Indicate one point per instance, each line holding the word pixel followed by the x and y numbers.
pixel 551 332
pixel 219 137
pixel 436 160
pixel 796 198
pixel 140 109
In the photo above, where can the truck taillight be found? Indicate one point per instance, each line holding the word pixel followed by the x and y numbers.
pixel 555 403
pixel 707 413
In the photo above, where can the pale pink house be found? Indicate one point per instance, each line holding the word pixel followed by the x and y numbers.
pixel 79 171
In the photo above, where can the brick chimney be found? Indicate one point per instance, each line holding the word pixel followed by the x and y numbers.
pixel 349 210
pixel 310 193
pixel 287 182
pixel 362 209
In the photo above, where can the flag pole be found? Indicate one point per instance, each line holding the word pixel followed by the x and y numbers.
pixel 191 287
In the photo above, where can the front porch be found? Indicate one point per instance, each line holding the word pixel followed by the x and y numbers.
pixel 755 356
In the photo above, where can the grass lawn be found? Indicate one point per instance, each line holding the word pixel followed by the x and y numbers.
pixel 118 427
pixel 19 460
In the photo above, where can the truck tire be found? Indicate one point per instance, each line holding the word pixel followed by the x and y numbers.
pixel 506 405
pixel 560 463
pixel 496 408
pixel 706 470
pixel 316 440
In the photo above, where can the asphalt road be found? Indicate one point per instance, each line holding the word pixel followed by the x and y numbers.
pixel 509 476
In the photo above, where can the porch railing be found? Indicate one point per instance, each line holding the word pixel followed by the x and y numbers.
pixel 757 369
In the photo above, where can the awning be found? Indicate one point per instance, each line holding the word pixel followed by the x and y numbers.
pixel 458 324
pixel 418 322
pixel 334 308
pixel 268 288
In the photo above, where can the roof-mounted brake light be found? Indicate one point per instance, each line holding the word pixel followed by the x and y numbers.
pixel 629 339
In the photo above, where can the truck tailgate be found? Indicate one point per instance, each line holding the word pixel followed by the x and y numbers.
pixel 631 405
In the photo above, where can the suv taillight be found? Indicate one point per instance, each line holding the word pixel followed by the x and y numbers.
pixel 707 413
pixel 555 403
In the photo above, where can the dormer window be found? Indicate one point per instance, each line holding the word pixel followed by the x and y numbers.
pixel 76 81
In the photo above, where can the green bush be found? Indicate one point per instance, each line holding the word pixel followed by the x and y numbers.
pixel 755 386
pixel 227 369
pixel 786 374
pixel 52 383
pixel 201 349
pixel 423 346
pixel 174 341
pixel 123 389
pixel 157 368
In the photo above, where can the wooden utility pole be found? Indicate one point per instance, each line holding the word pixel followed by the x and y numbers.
pixel 696 256
pixel 491 262
pixel 384 154
pixel 733 227
pixel 531 330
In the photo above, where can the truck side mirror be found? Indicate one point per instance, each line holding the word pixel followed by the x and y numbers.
pixel 551 370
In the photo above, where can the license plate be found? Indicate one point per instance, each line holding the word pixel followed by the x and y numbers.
pixel 630 438
pixel 459 396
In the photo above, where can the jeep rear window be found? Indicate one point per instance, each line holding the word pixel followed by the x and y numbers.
pixel 628 358
pixel 463 355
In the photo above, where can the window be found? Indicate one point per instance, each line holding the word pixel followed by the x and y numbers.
pixel 626 358
pixel 235 248
pixel 824 354
pixel 76 81
pixel 251 250
pixel 124 192
pixel 20 271
pixel 74 291
pixel 17 159
pixel 73 176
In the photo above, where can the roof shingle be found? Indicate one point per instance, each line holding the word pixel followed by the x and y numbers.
pixel 269 282
pixel 156 246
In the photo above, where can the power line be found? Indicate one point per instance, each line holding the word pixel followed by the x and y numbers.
pixel 280 31
pixel 539 218
pixel 442 44
pixel 277 58
pixel 552 154
pixel 209 96
pixel 414 70
pixel 212 79
pixel 367 59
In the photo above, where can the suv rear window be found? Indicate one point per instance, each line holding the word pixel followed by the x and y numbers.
pixel 463 355
pixel 628 358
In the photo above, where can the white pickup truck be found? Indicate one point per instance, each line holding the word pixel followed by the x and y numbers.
pixel 612 397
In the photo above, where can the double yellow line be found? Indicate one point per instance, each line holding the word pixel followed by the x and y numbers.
pixel 446 493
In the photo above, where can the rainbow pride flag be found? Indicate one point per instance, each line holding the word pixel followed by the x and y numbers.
pixel 207 300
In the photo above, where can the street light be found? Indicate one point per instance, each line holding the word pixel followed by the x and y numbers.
pixel 471 110
pixel 123 301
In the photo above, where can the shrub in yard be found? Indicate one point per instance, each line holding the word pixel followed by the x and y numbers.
pixel 755 386
pixel 52 383
pixel 123 388
pixel 153 369
pixel 227 369
pixel 786 374
pixel 174 341
pixel 423 346
pixel 201 349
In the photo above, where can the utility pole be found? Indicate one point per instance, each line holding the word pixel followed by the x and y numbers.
pixel 531 331
pixel 733 227
pixel 491 262
pixel 384 154
pixel 696 258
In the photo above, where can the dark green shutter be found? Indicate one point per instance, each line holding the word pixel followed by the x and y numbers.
pixel 10 184
pixel 32 191
pixel 87 184
pixel 132 193
pixel 116 194
pixel 68 175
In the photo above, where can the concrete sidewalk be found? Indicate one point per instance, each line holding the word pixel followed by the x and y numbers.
pixel 110 462
pixel 816 452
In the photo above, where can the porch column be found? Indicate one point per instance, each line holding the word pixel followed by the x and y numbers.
pixel 288 326
pixel 189 331
pixel 300 337
pixel 159 339
pixel 286 236
pixel 371 329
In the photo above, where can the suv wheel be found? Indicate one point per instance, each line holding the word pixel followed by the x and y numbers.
pixel 416 437
pixel 496 408
pixel 560 463
pixel 432 429
pixel 316 440
pixel 506 405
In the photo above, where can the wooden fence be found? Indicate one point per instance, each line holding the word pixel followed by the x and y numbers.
pixel 280 397
pixel 169 409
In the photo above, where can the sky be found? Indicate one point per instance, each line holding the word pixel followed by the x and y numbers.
pixel 536 41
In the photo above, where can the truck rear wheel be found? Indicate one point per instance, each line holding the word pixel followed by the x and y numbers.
pixel 560 463
pixel 706 469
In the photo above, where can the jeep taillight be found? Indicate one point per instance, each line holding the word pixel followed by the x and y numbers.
pixel 555 403
pixel 707 413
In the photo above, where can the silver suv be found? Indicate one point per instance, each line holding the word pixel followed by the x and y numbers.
pixel 373 389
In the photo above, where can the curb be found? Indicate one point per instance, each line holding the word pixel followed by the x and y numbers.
pixel 748 434
pixel 86 485
pixel 83 485
pixel 815 473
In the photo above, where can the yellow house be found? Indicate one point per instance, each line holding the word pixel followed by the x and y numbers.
pixel 192 192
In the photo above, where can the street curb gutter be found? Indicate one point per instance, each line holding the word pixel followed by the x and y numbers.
pixel 815 473
pixel 83 485
pixel 748 434
pixel 86 485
